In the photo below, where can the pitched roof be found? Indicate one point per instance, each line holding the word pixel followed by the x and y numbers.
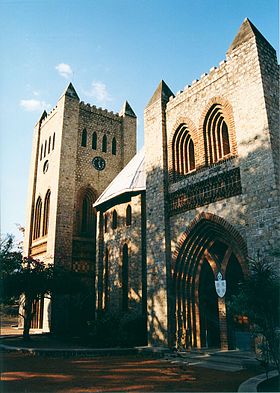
pixel 131 179
pixel 246 31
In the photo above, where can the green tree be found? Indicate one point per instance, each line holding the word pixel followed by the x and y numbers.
pixel 258 299
pixel 27 280
pixel 28 283
pixel 10 255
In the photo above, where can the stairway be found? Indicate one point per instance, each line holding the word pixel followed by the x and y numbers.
pixel 231 360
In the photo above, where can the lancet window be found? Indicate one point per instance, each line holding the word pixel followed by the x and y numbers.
pixel 88 216
pixel 128 215
pixel 46 213
pixel 49 145
pixel 183 153
pixel 37 219
pixel 94 141
pixel 84 138
pixel 115 220
pixel 125 277
pixel 216 134
pixel 53 141
pixel 114 146
pixel 104 144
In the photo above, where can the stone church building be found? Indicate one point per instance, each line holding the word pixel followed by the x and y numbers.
pixel 166 232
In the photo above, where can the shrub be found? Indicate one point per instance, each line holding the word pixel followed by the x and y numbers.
pixel 114 330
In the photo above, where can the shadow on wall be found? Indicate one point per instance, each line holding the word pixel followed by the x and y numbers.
pixel 181 288
pixel 245 208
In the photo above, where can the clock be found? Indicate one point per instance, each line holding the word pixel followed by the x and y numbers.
pixel 98 163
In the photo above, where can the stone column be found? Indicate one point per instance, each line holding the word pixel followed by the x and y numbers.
pixel 223 322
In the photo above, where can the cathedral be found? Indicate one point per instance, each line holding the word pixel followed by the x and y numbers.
pixel 166 232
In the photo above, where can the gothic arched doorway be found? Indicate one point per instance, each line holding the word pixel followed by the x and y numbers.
pixel 210 252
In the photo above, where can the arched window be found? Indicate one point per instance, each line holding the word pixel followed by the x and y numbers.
pixel 183 155
pixel 84 138
pixel 106 279
pixel 128 216
pixel 37 219
pixel 94 141
pixel 45 149
pixel 216 134
pixel 53 141
pixel 115 220
pixel 190 153
pixel 225 139
pixel 104 144
pixel 114 146
pixel 46 213
pixel 105 222
pixel 49 146
pixel 88 214
pixel 41 153
pixel 125 277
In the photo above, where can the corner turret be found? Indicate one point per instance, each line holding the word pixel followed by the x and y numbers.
pixel 162 92
pixel 127 110
pixel 129 124
pixel 71 92
pixel 246 31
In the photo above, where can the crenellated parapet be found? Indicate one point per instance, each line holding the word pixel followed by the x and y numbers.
pixel 215 73
pixel 99 111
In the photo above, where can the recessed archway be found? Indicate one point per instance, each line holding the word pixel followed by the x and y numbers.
pixel 210 247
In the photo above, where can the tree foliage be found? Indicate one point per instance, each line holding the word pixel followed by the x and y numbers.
pixel 10 256
pixel 29 280
pixel 258 299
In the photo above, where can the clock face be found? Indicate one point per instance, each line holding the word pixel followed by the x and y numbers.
pixel 98 163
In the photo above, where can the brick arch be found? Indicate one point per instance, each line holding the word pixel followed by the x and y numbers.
pixel 227 111
pixel 192 130
pixel 193 248
pixel 215 219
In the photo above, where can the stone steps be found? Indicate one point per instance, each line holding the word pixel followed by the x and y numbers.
pixel 234 360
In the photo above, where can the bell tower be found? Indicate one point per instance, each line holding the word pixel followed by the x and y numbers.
pixel 78 149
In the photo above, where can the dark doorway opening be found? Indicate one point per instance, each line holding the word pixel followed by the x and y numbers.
pixel 235 324
pixel 208 308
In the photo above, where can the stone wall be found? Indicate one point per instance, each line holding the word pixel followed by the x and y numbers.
pixel 241 188
pixel 238 81
pixel 69 172
pixel 113 241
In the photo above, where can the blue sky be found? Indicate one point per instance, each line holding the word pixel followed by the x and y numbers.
pixel 111 50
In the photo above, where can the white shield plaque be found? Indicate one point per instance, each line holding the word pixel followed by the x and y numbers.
pixel 221 285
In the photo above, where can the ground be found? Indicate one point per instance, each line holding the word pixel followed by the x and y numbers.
pixel 134 373
pixel 26 373
pixel 271 385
